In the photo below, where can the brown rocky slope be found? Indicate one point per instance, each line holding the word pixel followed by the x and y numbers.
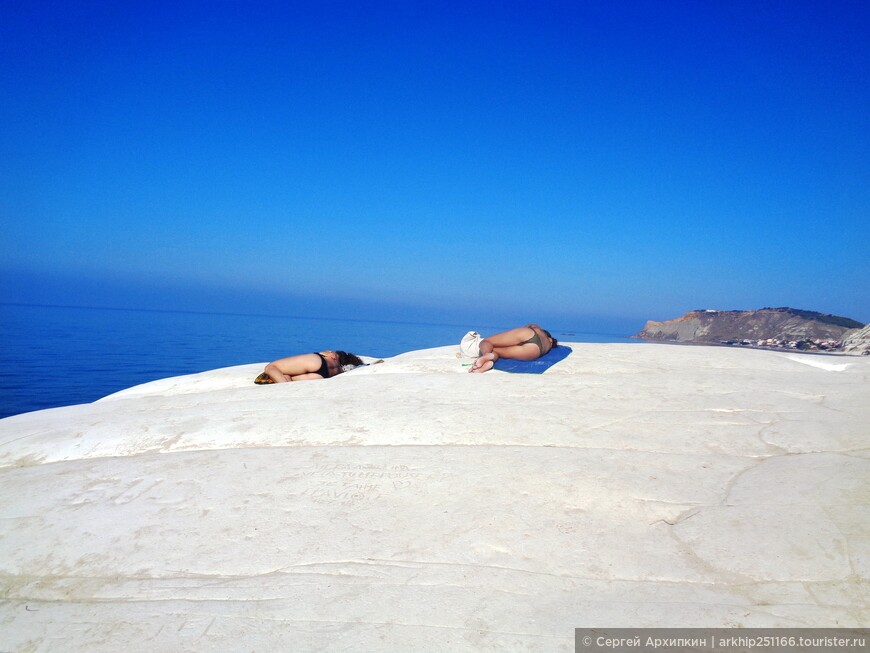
pixel 786 327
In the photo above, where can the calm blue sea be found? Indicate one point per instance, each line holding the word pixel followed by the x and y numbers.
pixel 57 356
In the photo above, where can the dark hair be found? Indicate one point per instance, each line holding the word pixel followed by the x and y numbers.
pixel 348 359
pixel 555 342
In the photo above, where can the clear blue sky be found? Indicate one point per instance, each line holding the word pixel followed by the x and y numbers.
pixel 586 163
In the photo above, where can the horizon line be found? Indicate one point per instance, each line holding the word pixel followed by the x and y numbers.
pixel 275 315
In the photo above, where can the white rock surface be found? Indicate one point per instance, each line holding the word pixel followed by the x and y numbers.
pixel 858 342
pixel 412 506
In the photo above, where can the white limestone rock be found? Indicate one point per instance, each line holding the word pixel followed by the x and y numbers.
pixel 412 506
pixel 858 342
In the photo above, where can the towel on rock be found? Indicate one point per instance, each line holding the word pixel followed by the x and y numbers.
pixel 537 366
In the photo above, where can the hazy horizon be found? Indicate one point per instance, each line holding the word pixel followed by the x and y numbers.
pixel 127 295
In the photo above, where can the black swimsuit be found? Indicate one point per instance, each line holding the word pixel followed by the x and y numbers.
pixel 324 368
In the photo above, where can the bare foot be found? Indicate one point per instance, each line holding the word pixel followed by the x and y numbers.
pixel 483 363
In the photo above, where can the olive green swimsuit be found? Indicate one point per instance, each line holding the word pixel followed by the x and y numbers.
pixel 535 340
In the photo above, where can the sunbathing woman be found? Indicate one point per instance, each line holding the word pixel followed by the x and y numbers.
pixel 524 343
pixel 308 366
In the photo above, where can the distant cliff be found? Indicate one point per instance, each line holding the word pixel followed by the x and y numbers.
pixel 778 325
pixel 857 342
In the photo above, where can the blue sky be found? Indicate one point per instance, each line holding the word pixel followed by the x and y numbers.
pixel 592 164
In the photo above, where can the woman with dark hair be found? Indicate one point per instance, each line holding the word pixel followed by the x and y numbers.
pixel 523 343
pixel 305 367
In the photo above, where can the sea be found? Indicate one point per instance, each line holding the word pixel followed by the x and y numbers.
pixel 53 356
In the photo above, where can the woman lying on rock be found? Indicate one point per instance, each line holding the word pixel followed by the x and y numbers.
pixel 306 367
pixel 524 343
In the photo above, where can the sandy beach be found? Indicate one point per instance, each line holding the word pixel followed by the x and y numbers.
pixel 413 506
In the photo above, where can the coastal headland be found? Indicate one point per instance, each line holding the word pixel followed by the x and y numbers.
pixel 769 328
pixel 413 506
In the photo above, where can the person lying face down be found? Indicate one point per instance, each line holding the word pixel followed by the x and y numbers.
pixel 306 367
pixel 523 343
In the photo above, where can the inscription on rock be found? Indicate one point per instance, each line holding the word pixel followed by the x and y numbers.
pixel 351 483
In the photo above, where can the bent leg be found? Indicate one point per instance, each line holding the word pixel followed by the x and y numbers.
pixel 508 344
pixel 526 352
pixel 310 376
pixel 484 363
pixel 274 373
pixel 508 338
pixel 284 369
